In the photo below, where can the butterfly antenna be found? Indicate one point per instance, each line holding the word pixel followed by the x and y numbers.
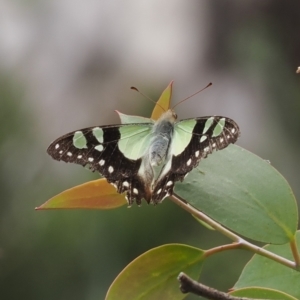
pixel 135 89
pixel 192 95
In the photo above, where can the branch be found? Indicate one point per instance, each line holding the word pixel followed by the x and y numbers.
pixel 239 242
pixel 188 285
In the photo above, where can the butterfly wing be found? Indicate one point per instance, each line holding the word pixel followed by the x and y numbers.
pixel 115 151
pixel 193 140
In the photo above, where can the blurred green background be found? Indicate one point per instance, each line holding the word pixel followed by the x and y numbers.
pixel 65 65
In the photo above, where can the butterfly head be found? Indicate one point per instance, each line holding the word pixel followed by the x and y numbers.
pixel 170 115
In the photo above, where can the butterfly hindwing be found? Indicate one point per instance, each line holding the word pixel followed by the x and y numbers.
pixel 196 138
pixel 108 150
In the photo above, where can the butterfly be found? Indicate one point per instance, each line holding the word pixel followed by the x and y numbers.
pixel 143 158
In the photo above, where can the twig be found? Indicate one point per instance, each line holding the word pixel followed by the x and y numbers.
pixel 222 248
pixel 188 285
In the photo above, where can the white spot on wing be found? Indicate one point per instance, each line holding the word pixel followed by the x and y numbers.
pixel 197 153
pixel 206 149
pixel 189 162
pixel 90 159
pixel 233 130
pixel 60 152
pixel 135 191
pixel 102 162
pixel 110 169
pixel 56 146
pixel 221 140
pixel 69 154
pixel 158 192
pixel 169 183
pixel 214 145
pixel 79 156
pixel 126 184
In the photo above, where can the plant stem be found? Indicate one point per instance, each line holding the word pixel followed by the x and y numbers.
pixel 222 248
pixel 238 241
pixel 293 245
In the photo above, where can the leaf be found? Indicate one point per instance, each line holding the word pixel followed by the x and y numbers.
pixel 97 194
pixel 153 275
pixel 244 193
pixel 261 293
pixel 127 119
pixel 163 102
pixel 263 272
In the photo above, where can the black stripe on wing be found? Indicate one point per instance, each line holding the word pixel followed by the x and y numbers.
pixel 102 154
pixel 199 147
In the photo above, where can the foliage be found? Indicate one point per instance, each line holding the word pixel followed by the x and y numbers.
pixel 234 192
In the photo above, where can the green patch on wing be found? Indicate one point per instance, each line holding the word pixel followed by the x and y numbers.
pixel 208 123
pixel 183 132
pixel 135 139
pixel 79 140
pixel 219 127
pixel 98 134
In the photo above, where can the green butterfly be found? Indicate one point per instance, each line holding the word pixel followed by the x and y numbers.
pixel 143 158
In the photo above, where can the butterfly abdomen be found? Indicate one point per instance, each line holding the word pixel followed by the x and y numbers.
pixel 158 150
pixel 160 143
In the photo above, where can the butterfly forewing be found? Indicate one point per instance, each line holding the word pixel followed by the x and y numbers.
pixel 207 134
pixel 108 150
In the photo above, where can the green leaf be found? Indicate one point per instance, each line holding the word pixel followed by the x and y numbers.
pixel 127 119
pixel 261 293
pixel 263 272
pixel 244 193
pixel 153 275
pixel 96 194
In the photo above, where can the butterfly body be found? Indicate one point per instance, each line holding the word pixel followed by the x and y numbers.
pixel 162 136
pixel 127 154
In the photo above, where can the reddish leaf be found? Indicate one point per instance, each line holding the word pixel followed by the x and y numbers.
pixel 97 194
